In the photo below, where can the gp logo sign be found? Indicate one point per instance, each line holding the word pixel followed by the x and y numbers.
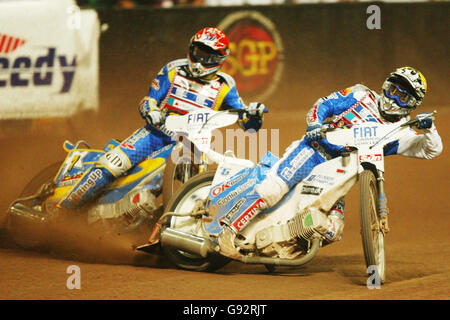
pixel 256 59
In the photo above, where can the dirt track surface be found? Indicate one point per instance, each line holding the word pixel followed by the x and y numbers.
pixel 418 251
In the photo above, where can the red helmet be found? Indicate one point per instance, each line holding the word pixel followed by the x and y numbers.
pixel 208 50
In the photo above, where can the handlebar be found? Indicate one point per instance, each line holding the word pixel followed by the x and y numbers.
pixel 416 120
pixel 240 111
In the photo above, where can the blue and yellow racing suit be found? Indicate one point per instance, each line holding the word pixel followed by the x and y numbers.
pixel 173 91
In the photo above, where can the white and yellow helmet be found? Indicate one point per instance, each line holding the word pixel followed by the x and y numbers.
pixel 402 92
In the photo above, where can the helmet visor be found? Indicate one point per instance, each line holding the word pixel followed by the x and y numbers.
pixel 400 95
pixel 205 55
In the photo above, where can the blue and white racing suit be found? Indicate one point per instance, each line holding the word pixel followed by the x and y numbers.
pixel 350 106
pixel 175 91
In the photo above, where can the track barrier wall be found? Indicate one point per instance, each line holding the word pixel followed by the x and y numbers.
pixel 284 56
pixel 320 48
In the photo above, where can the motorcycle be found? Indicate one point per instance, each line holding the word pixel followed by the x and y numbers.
pixel 128 203
pixel 284 235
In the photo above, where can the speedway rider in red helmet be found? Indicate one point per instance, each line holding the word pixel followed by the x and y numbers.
pixel 181 86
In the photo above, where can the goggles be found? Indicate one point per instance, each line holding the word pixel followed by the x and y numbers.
pixel 204 56
pixel 401 96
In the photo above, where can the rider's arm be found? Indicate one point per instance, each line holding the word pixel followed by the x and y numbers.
pixel 161 84
pixel 229 99
pixel 426 145
pixel 149 106
pixel 333 104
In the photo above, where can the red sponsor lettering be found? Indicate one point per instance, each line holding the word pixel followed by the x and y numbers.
pixel 248 215
pixel 218 190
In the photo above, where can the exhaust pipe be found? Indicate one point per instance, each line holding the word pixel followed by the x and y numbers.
pixel 186 242
pixel 202 247
pixel 21 210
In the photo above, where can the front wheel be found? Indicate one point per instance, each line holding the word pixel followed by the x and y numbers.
pixel 183 201
pixel 372 236
pixel 177 172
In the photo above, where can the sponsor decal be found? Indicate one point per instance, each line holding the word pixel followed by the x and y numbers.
pixel 197 117
pixel 256 60
pixel 318 178
pixel 298 161
pixel 370 157
pixel 40 71
pixel 234 209
pixel 345 92
pixel 136 137
pixel 155 84
pixel 248 215
pixel 236 192
pixel 306 189
pixel 365 135
pixel 70 179
pixel 9 43
pixel 127 146
pixel 90 182
pixel 228 184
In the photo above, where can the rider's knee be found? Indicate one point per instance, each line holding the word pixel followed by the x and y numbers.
pixel 116 161
pixel 272 189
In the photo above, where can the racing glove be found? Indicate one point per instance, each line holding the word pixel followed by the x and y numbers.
pixel 314 132
pixel 425 121
pixel 254 117
pixel 150 111
pixel 256 109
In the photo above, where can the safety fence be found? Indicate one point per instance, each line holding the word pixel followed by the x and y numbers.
pixel 286 56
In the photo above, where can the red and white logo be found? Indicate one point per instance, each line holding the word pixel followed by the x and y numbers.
pixel 128 146
pixel 248 215
pixel 256 59
pixel 370 157
pixel 9 44
pixel 218 190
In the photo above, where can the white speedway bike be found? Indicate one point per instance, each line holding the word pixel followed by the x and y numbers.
pixel 283 235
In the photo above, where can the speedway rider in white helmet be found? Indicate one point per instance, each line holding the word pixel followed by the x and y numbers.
pixel 181 86
pixel 402 92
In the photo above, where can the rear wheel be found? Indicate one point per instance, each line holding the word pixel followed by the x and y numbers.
pixel 184 200
pixel 25 232
pixel 372 237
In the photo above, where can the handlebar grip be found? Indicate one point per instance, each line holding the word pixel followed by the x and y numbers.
pixel 266 110
pixel 236 110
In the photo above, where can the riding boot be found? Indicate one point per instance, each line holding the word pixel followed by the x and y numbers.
pixel 236 222
pixel 93 181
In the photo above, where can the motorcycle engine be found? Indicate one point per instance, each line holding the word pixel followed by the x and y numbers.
pixel 137 204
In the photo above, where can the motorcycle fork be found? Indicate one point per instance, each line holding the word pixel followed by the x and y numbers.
pixel 203 167
pixel 383 209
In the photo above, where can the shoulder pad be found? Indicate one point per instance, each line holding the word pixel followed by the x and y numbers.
pixel 360 87
pixel 228 79
pixel 176 63
pixel 356 89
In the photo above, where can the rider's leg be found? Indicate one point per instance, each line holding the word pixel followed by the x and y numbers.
pixel 113 164
pixel 297 162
